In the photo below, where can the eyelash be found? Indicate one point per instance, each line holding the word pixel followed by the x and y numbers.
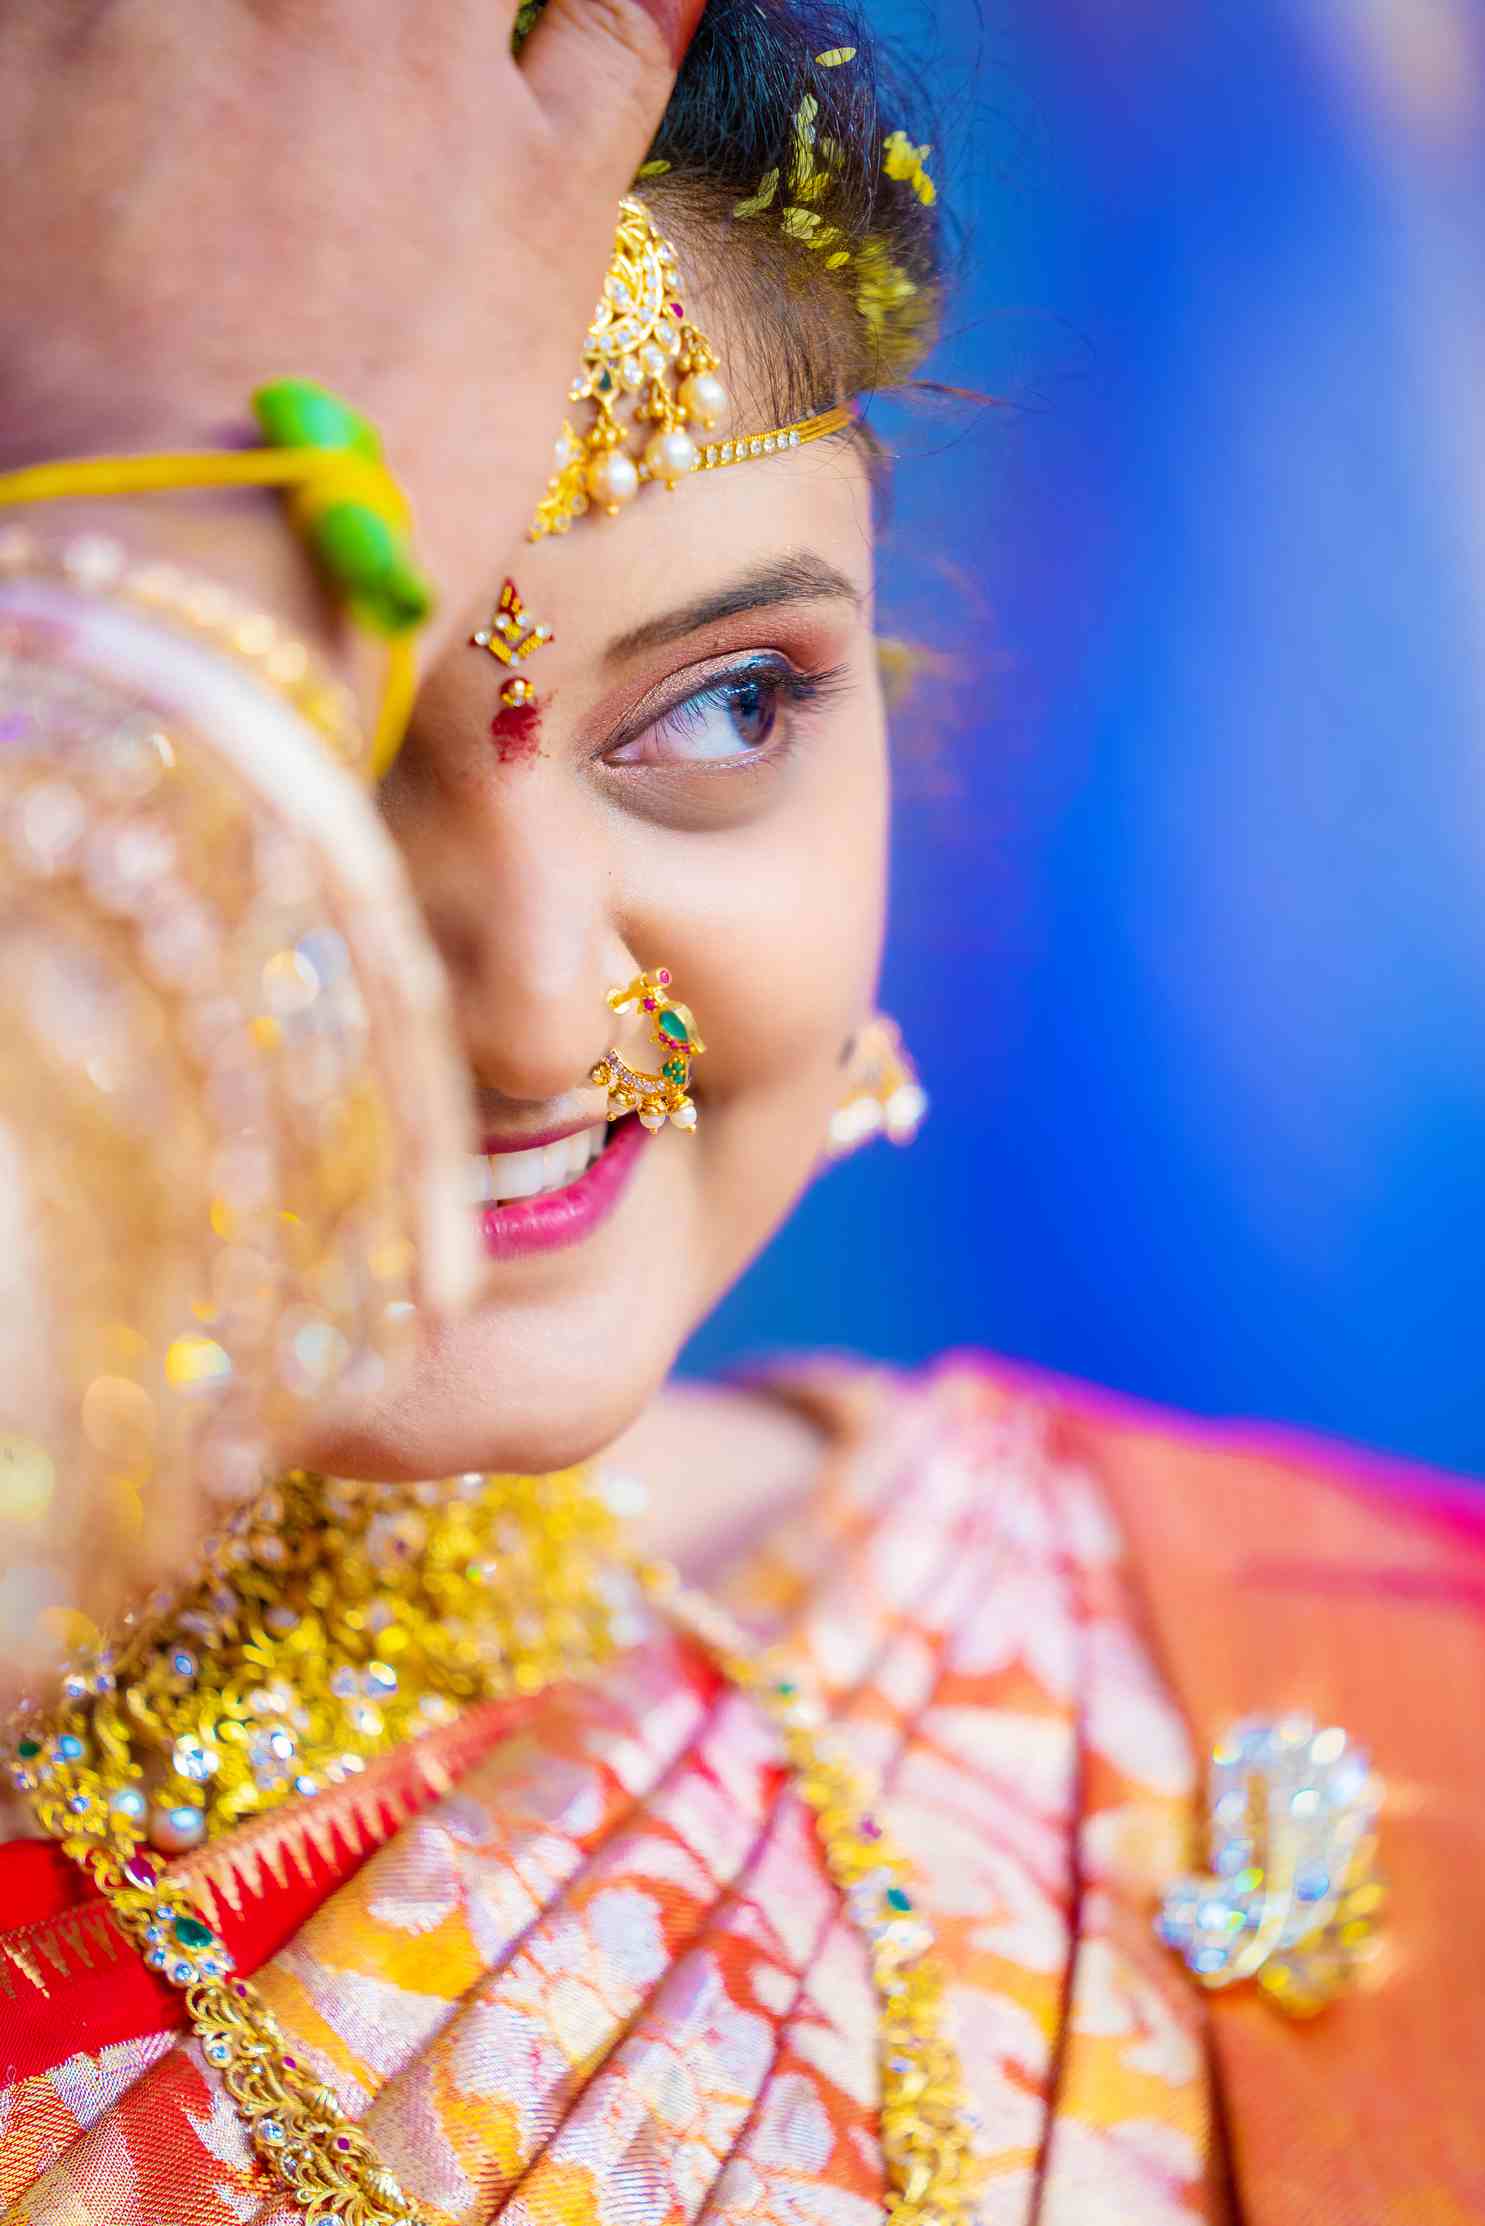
pixel 788 689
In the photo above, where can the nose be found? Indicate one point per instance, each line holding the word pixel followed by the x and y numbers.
pixel 514 890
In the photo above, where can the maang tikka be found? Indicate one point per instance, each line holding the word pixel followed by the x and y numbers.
pixel 649 378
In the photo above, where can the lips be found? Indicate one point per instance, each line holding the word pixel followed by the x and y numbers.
pixel 571 1193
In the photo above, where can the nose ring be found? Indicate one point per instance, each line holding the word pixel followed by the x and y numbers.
pixel 662 1097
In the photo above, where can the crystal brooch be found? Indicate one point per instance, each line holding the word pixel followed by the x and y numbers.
pixel 1293 1898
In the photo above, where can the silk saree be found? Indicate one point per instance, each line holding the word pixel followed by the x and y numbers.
pixel 575 1959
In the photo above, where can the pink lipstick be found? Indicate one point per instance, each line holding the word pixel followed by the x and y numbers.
pixel 562 1217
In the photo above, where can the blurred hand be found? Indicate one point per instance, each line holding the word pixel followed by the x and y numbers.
pixel 372 193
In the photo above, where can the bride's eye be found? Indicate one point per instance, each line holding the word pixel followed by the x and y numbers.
pixel 738 716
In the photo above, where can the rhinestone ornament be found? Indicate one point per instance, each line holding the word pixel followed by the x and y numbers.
pixel 511 637
pixel 1293 1898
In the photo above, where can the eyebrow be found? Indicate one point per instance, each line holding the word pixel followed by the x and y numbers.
pixel 802 578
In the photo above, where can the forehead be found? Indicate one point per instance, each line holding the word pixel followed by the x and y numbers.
pixel 609 577
pixel 606 578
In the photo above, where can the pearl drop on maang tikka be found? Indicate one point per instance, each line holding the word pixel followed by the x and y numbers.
pixel 641 351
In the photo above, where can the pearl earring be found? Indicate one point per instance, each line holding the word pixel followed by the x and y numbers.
pixel 886 1097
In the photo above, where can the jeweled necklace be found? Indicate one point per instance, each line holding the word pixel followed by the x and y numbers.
pixel 335 1621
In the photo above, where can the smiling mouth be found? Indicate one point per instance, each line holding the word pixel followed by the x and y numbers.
pixel 556 1194
pixel 505 1178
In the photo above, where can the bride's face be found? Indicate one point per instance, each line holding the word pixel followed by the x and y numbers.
pixel 703 788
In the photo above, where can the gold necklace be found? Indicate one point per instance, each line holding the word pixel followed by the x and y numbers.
pixel 929 2124
pixel 335 1621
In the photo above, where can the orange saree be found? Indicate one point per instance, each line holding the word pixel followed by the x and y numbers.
pixel 575 1958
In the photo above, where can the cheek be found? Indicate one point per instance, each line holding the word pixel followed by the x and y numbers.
pixel 787 962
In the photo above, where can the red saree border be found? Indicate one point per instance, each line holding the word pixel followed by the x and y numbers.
pixel 70 1983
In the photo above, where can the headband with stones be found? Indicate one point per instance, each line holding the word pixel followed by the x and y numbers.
pixel 650 377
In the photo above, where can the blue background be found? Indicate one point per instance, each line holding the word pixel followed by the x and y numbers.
pixel 1188 931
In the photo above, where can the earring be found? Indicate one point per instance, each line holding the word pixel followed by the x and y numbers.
pixel 655 1097
pixel 886 1098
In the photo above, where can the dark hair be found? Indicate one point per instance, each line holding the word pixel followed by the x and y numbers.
pixel 770 167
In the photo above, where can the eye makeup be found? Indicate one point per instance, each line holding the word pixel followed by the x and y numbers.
pixel 743 713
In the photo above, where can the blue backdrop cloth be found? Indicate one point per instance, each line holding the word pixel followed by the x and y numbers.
pixel 1189 907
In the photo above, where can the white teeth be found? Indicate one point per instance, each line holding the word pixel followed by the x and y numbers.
pixel 557 1164
pixel 506 1176
pixel 481 1186
pixel 517 1174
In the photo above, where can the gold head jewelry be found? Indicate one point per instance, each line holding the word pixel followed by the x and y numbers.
pixel 1294 1898
pixel 649 377
pixel 662 1097
pixel 511 637
pixel 642 358
pixel 886 1097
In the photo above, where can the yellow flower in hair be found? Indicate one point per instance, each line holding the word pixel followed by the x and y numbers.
pixel 899 312
pixel 756 203
pixel 813 162
pixel 809 228
pixel 802 170
pixel 902 160
pixel 882 286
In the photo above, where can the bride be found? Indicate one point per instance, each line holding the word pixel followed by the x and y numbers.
pixel 773 1802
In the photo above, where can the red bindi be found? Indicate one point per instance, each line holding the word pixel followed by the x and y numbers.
pixel 516 731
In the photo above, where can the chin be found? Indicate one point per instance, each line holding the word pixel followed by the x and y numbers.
pixel 471 1398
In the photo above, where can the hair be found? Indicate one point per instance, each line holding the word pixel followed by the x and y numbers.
pixel 771 167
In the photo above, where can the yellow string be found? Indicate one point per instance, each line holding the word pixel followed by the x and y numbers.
pixel 399 687
pixel 318 476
